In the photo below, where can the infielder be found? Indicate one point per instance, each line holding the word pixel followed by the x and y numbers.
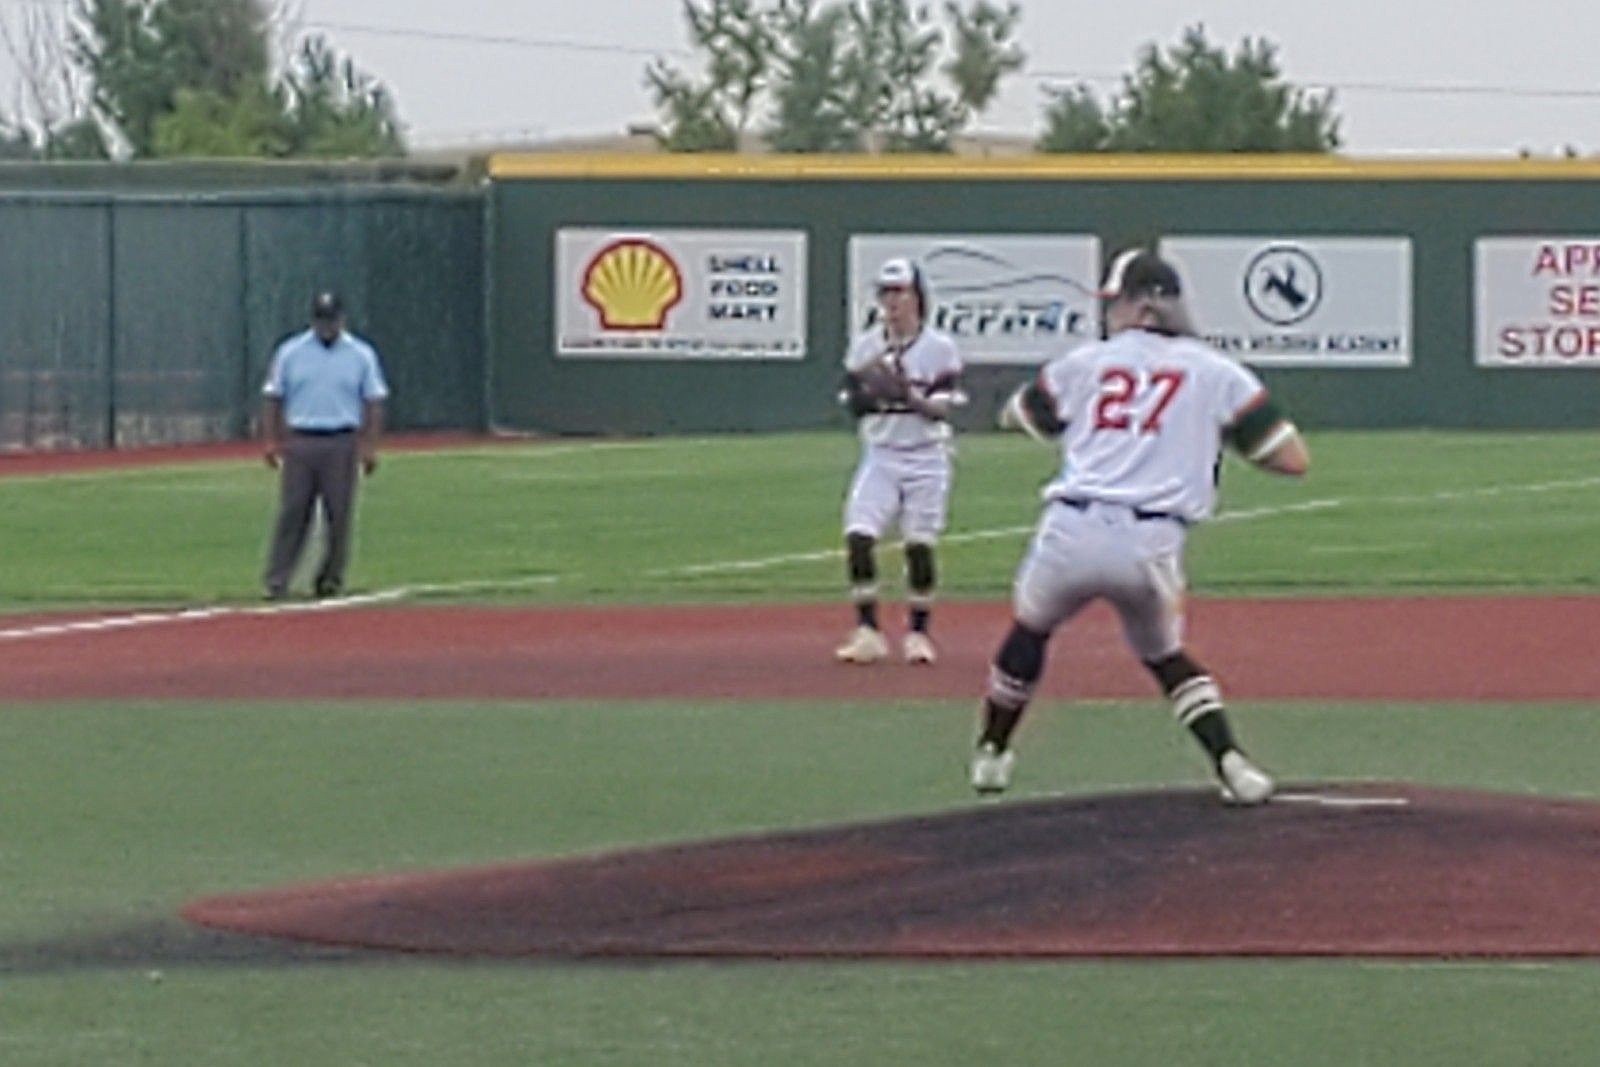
pixel 902 379
pixel 1141 417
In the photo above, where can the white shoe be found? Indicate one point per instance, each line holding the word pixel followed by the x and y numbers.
pixel 991 769
pixel 918 649
pixel 865 645
pixel 1242 781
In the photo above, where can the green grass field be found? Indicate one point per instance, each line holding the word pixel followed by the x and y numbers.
pixel 116 814
pixel 654 520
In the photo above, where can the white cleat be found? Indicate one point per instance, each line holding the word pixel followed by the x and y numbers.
pixel 991 769
pixel 865 645
pixel 1243 782
pixel 918 649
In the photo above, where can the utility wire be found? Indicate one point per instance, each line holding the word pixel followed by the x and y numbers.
pixel 1533 92
pixel 504 40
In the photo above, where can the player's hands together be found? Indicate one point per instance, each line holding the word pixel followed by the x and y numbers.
pixel 927 406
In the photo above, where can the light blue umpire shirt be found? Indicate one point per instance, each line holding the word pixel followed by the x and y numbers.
pixel 323 387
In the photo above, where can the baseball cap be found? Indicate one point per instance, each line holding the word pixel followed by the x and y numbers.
pixel 1140 272
pixel 327 305
pixel 897 274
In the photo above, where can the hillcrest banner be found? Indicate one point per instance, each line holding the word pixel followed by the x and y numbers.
pixel 1005 298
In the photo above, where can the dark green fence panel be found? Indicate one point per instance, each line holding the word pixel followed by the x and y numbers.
pixel 55 325
pixel 427 317
pixel 410 269
pixel 149 318
pixel 178 361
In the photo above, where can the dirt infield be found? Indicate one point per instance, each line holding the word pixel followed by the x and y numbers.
pixel 1151 874
pixel 1141 874
pixel 1459 648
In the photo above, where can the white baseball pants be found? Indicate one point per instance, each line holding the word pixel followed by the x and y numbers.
pixel 1098 550
pixel 910 486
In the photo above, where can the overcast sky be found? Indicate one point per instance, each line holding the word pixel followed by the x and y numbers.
pixel 1436 76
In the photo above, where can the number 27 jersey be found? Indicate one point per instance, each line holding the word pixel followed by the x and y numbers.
pixel 1143 418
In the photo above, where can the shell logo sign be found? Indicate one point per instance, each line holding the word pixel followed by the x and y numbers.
pixel 632 283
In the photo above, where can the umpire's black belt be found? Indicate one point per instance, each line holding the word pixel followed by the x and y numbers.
pixel 333 432
pixel 1142 515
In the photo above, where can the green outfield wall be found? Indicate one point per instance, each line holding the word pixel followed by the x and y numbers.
pixel 140 306
pixel 1398 245
pixel 662 294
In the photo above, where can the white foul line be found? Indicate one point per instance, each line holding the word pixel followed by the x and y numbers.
pixel 765 562
pixel 1325 800
pixel 1245 515
pixel 108 623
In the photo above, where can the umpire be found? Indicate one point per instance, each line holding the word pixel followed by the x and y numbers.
pixel 322 414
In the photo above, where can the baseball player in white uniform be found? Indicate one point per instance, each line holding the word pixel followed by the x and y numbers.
pixel 902 380
pixel 1141 417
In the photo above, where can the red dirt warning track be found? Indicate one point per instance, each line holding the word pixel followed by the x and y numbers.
pixel 1458 648
pixel 1140 874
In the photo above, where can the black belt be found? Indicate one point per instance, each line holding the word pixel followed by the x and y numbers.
pixel 1138 513
pixel 325 433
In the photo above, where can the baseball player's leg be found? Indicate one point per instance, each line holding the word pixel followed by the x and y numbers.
pixel 921 578
pixel 1152 619
pixel 927 495
pixel 1197 704
pixel 296 493
pixel 870 506
pixel 1018 665
pixel 337 480
pixel 1051 588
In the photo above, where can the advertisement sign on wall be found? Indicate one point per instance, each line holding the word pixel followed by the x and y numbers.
pixel 1004 298
pixel 681 294
pixel 1300 302
pixel 1538 301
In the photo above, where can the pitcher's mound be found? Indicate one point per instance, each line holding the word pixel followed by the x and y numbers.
pixel 1337 870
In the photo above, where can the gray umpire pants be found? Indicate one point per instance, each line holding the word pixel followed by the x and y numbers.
pixel 316 467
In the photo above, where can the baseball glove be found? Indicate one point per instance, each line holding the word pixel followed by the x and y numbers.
pixel 881 381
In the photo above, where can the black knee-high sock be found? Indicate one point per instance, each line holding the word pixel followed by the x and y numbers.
pixel 1016 670
pixel 862 566
pixel 921 577
pixel 1196 702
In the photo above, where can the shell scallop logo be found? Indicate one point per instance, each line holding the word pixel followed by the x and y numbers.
pixel 632 284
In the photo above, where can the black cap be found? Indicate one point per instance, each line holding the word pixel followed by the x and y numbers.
pixel 327 305
pixel 1140 272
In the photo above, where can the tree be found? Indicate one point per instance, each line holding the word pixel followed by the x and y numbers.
pixel 334 109
pixel 15 143
pixel 196 77
pixel 140 54
pixel 204 122
pixel 983 51
pixel 1196 98
pixel 892 51
pixel 735 37
pixel 694 118
pixel 837 76
pixel 1075 122
pixel 51 116
pixel 810 113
